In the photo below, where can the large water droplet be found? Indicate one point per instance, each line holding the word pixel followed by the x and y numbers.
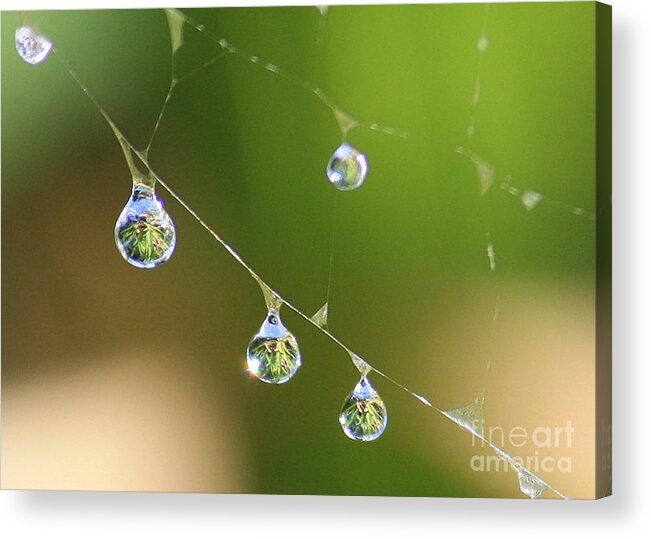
pixel 144 232
pixel 363 415
pixel 273 355
pixel 32 47
pixel 347 168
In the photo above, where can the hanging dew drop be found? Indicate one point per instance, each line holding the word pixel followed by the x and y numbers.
pixel 347 168
pixel 273 355
pixel 32 47
pixel 144 232
pixel 363 415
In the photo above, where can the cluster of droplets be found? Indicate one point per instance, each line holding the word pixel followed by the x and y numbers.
pixel 363 415
pixel 273 356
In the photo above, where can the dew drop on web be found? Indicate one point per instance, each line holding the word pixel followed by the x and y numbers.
pixel 144 232
pixel 273 355
pixel 363 415
pixel 32 47
pixel 347 168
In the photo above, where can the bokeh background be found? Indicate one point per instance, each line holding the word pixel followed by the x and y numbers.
pixel 115 378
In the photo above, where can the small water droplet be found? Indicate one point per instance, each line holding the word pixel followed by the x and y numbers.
pixel 422 399
pixel 363 367
pixel 363 415
pixel 484 170
pixel 32 47
pixel 530 484
pixel 469 417
pixel 320 318
pixel 347 168
pixel 144 232
pixel 490 253
pixel 483 43
pixel 531 199
pixel 273 355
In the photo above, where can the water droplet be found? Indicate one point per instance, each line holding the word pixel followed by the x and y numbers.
pixel 363 415
pixel 273 355
pixel 469 417
pixel 347 168
pixel 32 47
pixel 490 253
pixel 320 318
pixel 363 367
pixel 346 121
pixel 484 169
pixel 531 199
pixel 530 484
pixel 144 232
pixel 176 24
pixel 483 43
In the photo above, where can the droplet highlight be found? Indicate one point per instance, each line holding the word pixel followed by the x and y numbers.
pixel 144 232
pixel 347 168
pixel 363 415
pixel 273 355
pixel 31 46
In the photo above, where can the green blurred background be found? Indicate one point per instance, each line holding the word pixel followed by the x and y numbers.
pixel 125 379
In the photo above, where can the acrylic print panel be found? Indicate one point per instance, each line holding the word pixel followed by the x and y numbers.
pixel 337 250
